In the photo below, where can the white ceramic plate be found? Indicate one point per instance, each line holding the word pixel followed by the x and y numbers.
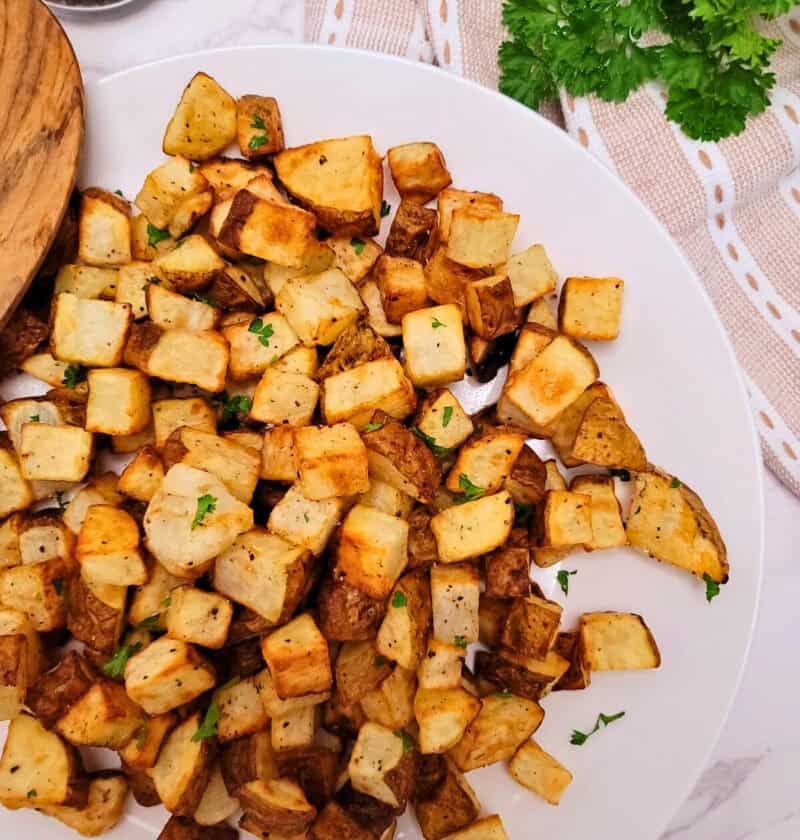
pixel 672 369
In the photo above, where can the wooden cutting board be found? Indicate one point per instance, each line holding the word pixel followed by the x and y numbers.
pixel 41 128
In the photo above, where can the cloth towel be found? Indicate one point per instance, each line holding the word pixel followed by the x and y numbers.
pixel 733 207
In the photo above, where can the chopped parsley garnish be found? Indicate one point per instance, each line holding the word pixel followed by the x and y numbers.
pixel 408 741
pixel 73 375
pixel 447 416
pixel 471 491
pixel 58 585
pixel 503 695
pixel 205 504
pixel 358 245
pixel 119 193
pixel 436 323
pixel 434 447
pixel 234 406
pixel 399 600
pixel 156 235
pixel 460 641
pixel 115 666
pixel 674 483
pixel 257 141
pixel 208 728
pixel 150 623
pixel 374 427
pixel 34 419
pixel 31 793
pixel 712 587
pixel 562 576
pixel 262 330
pixel 209 301
pixel 522 513
pixel 579 737
pixel 622 475
pixel 258 122
pixel 386 208
pixel 167 601
pixel 154 280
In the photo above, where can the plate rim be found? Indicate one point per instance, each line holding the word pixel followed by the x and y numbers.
pixel 603 172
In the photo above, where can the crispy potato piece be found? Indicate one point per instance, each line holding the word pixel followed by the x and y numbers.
pixel 86 281
pixel 14 622
pixel 442 665
pixel 411 232
pixel 346 614
pixel 256 344
pixel 103 717
pixel 486 460
pixel 133 280
pixel 520 675
pixel 356 345
pixel 38 591
pixel 108 547
pixel 380 766
pixel 304 522
pixel 391 704
pixel 169 415
pixel 433 340
pixel 449 806
pixel 577 676
pixel 541 312
pixel 455 592
pixel 89 332
pixel 46 368
pixel 42 537
pixel 531 626
pixel 169 309
pixel 401 282
pixel 604 438
pixel 216 804
pixel 144 245
pixel 617 642
pixel 334 823
pixel 38 768
pixel 264 573
pixel 401 459
pixel 54 453
pixel 298 658
pixel 507 568
pixel 13 674
pixel 277 456
pixel 418 171
pixel 314 769
pixel 241 711
pixel 281 397
pixel 502 724
pixel 443 714
pixel 331 461
pixel 604 510
pixel 96 613
pixel 532 276
pixel 119 402
pixel 403 634
pixel 442 418
pixel 490 306
pixel 247 759
pixel 371 552
pixel 199 617
pixel 142 751
pixel 104 228
pixel 15 491
pixel 204 122
pixel 294 729
pixel 340 180
pixel 9 541
pixel 668 521
pixel 183 768
pixel 20 338
pixel 259 127
pixel 354 257
pixel 241 287
pixel 489 828
pixel 591 307
pixel 566 427
pixel 564 519
pixel 451 200
pixel 279 805
pixel 142 477
pixel 317 258
pixel 57 689
pixel 165 191
pixel 184 828
pixel 227 176
pixel 103 810
pixel 386 498
pixel 359 670
pixel 376 317
pixel 526 481
pixel 473 528
pixel 191 267
pixel 480 237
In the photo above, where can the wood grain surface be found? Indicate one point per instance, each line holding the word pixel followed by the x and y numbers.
pixel 41 128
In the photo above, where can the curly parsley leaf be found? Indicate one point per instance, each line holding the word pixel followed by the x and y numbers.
pixel 399 600
pixel 73 375
pixel 115 667
pixel 712 587
pixel 205 504
pixel 258 122
pixel 460 641
pixel 358 245
pixel 562 576
pixel 440 451
pixel 262 330
pixel 257 141
pixel 578 738
pixel 208 727
pixel 156 235
pixel 374 427
pixel 232 407
pixel 408 741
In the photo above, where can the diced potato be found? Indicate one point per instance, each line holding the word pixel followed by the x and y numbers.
pixel 473 528
pixel 391 704
pixel 480 237
pixel 103 810
pixel 14 622
pixel 538 771
pixel 442 418
pixel 531 626
pixel 55 453
pixel 294 729
pixel 489 828
pixel 191 267
pixel 169 309
pixel 227 176
pixel 401 282
pixel 301 359
pixel 371 552
pixel 532 276
pixel 413 232
pixel 142 477
pixel 604 510
pixel 15 492
pixel 340 180
pixel 149 601
pixel 142 751
pixel 565 519
pixel 331 461
pixel 317 258
pixel 199 617
pixel 9 541
pixel 134 279
pixel 617 642
pixel 346 614
pixel 41 538
pixel 204 122
pixel 241 711
pixel 433 339
pixel 171 414
pixel 104 228
pixel 541 313
pixel 179 355
pixel 119 401
pixel 217 804
pixel 191 519
pixel 259 128
pixel 147 240
pixel 108 547
pixel 103 717
pixel 448 806
pixel 451 200
pixel 241 287
pixel 298 658
pixel 603 437
pixel 526 481
pixel 353 256
pixel 305 522
pixel 356 345
pixel 46 368
pixel 442 665
pixel 257 344
pixel 245 759
pixel 455 592
pixel 358 671
pixel 335 822
pixel 355 394
pixel 418 171
pixel 165 190
pixel 127 444
pixel 376 316
pixel 380 766
pixel 281 397
pixel 264 573
pixel 490 306
pixel 89 332
pixel 166 674
pixel 487 460
pixel 13 674
pixel 278 461
pixel 96 613
pixel 447 281
pixel 278 806
pixel 443 714
pixel 86 281
pixel 279 707
pixel 387 498
pixel 507 570
pixel 403 634
pixel 591 307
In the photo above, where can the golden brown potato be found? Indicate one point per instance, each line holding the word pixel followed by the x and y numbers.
pixel 486 460
pixel 617 642
pixel 578 675
pixel 259 127
pixel 490 306
pixel 418 171
pixel 507 569
pixel 422 551
pixel 334 823
pixel 89 332
pixel 142 751
pixel 314 769
pixel 531 276
pixel 450 805
pixel 591 307
pixel 531 626
pixel 104 229
pixel 346 614
pixel 247 759
pixel 382 765
pixel 411 231
pixel 604 438
pixel 566 427
pixel 298 658
pixel 359 670
pixel 96 613
pixel 331 461
pixel 13 674
pixel 279 805
pixel 489 828
pixel 356 345
pixel 354 257
pixel 433 342
pixel 185 828
pixel 401 282
pixel 403 634
pixel 480 237
pixel 106 802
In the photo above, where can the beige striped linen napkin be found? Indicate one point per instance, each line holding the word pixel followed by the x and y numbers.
pixel 733 207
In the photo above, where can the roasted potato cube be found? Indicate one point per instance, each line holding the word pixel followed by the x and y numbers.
pixel 52 453
pixel 191 519
pixel 502 724
pixel 108 547
pixel 166 674
pixel 319 307
pixel 42 538
pixel 89 332
pixel 340 180
pixel 305 522
pixel 38 768
pixel 216 804
pixel 9 541
pixel 331 461
pixel 591 307
pixel 48 369
pixel 103 717
pixel 189 211
pixel 86 281
pixel 381 765
pixel 480 237
pixel 403 634
pixel 317 258
pixel 401 459
pixel 418 171
pixel 298 658
pixel 577 676
pixel 241 287
pixel 179 355
pixel 604 510
pixel 386 498
pixel 199 617
pixel 356 345
pixel 376 317
pixel 204 122
pixel 531 626
pixel 141 752
pixel 538 771
pixel 169 415
pixel 490 306
pixel 433 339
pixel 411 233
pixel 401 282
pixel 565 519
pixel 149 600
pixel 314 769
pixel 277 456
pixel 169 309
pixel 191 267
pixel 259 128
pixel 532 276
pixel 450 804
pixel 280 397
pixel 147 240
pixel 346 613
pixel 486 460
pixel 14 622
pixel 450 200
pixel 14 671
pixel 508 568
pixel 279 804
pixel 442 418
pixel 165 191
pixel 371 552
pixel 96 613
pixel 15 492
pixel 526 481
pixel 294 729
pixel 236 466
pixel 354 257
pixel 489 828
pixel 355 394
pixel 391 704
pixel 279 707
pixel 241 711
pixel 38 591
pixel 359 670
pixel 334 823
pixel 455 591
pixel 617 642
pixel 264 573
pixel 106 802
pixel 247 759
pixel 142 477
pixel 540 312
pixel 604 438
pixel 441 666
pixel 443 714
pixel 133 281
pixel 669 521
pixel 257 344
pixel 473 528
pixel 185 828
pixel 119 401
pixel 447 281
pixel 104 229
pixel 228 175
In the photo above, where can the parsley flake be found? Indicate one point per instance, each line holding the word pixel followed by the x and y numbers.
pixel 399 600
pixel 34 419
pixel 712 587
pixel 408 741
pixel 440 451
pixel 374 427
pixel 139 736
pixel 257 141
pixel 460 641
pixel 156 235
pixel 205 504
pixel 192 167
pixel 209 301
pixel 380 661
pixel 358 245
pixel 471 491
pixel 119 193
pixel 73 375
pixel 258 122
pixel 674 483
pixel 305 516
pixel 262 330
pixel 436 323
pixel 234 406
pixel 31 793
pixel 503 695
pixel 562 576
pixel 447 416
pixel 149 623
pixel 208 728
pixel 115 667
pixel 386 208
pixel 577 738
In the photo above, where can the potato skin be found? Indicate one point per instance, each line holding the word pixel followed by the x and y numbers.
pixel 370 813
pixel 336 823
pixel 185 828
pixel 357 344
pixel 51 696
pixel 91 621
pixel 142 786
pixel 411 231
pixel 508 568
pixel 446 807
pixel 19 339
pixel 422 551
pixel 508 676
pixel 314 769
pixel 346 614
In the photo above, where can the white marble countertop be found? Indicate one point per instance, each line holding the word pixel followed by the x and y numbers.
pixel 750 787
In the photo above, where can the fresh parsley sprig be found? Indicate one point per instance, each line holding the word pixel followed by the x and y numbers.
pixel 471 491
pixel 115 667
pixel 439 451
pixel 262 330
pixel 205 504
pixel 578 738
pixel 562 576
